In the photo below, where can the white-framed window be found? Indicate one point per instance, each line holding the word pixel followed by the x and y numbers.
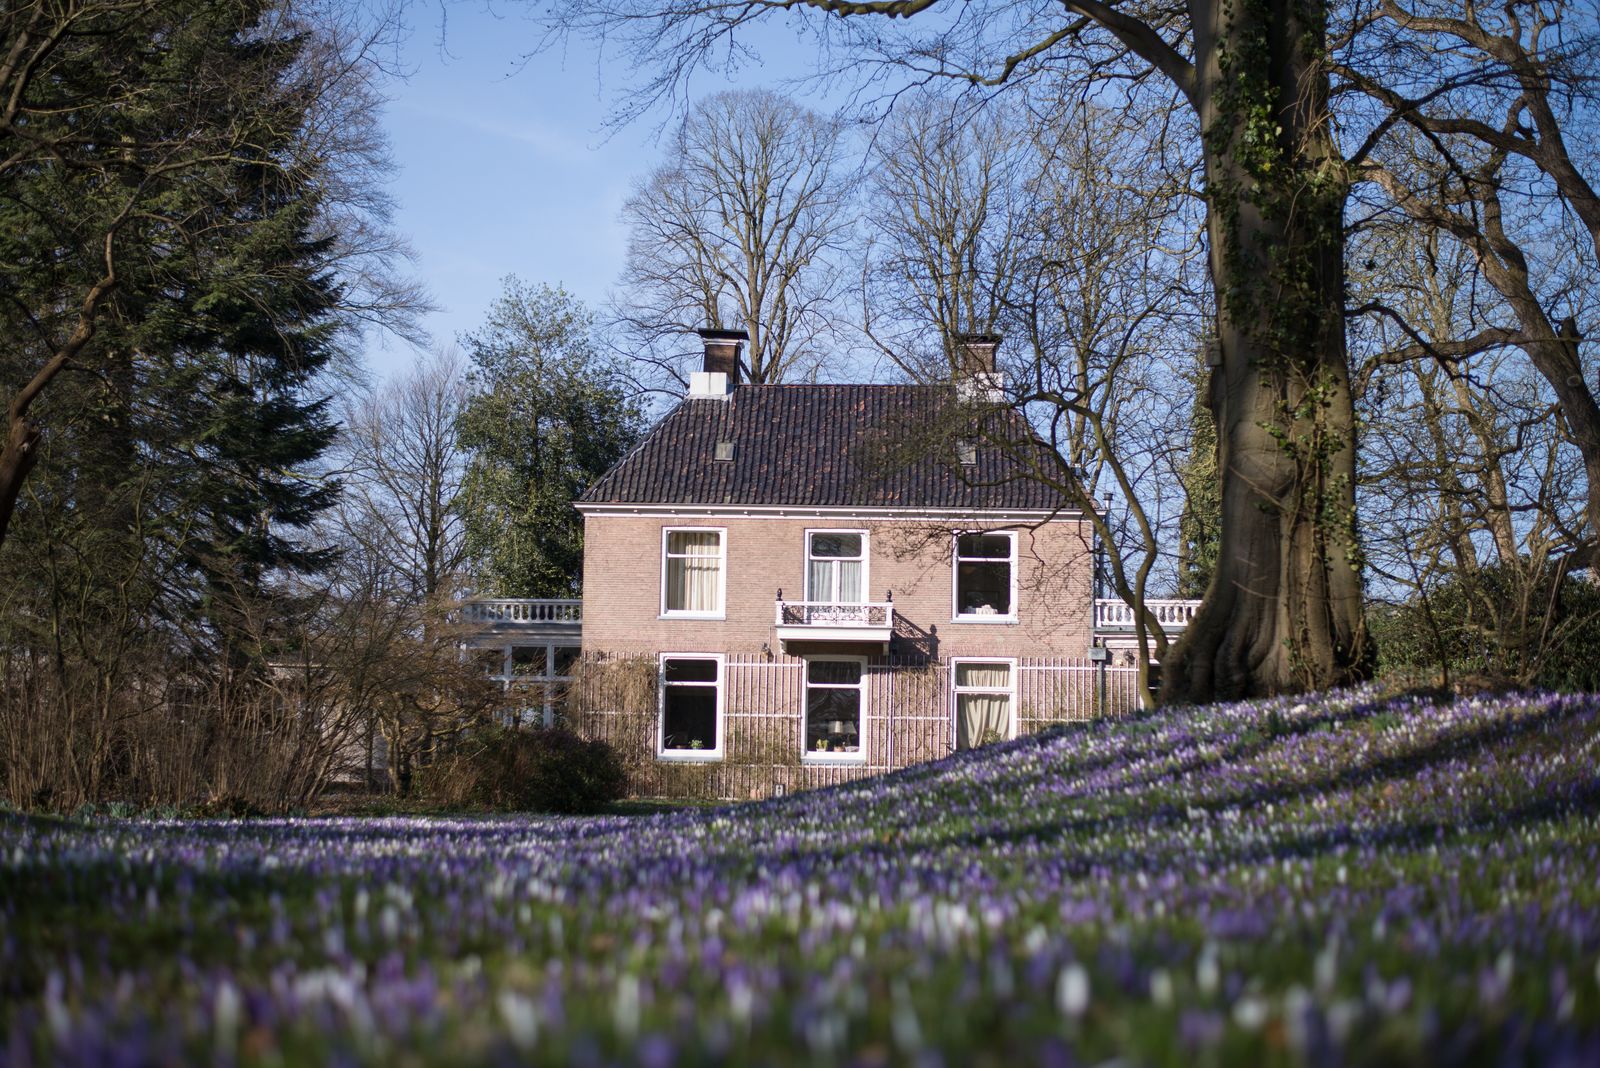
pixel 835 721
pixel 985 701
pixel 690 724
pixel 984 582
pixel 538 674
pixel 693 566
pixel 836 566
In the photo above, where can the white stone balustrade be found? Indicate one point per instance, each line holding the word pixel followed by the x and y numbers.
pixel 1174 614
pixel 511 611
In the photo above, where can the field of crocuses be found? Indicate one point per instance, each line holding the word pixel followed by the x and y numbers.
pixel 1340 880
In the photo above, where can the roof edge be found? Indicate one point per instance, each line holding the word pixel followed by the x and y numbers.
pixel 803 511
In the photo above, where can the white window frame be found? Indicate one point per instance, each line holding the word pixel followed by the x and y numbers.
pixel 722 573
pixel 866 561
pixel 956 692
pixel 507 676
pixel 956 615
pixel 690 755
pixel 811 756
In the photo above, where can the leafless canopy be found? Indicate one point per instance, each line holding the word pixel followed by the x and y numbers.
pixel 738 229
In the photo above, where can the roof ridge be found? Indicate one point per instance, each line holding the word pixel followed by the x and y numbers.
pixel 837 385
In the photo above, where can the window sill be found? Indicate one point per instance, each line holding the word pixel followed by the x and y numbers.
pixel 689 756
pixel 693 615
pixel 825 759
pixel 986 620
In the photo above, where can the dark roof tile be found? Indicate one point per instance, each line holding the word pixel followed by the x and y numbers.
pixel 824 446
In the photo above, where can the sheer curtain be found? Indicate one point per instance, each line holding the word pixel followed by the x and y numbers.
pixel 836 581
pixel 694 565
pixel 837 561
pixel 982 717
pixel 850 581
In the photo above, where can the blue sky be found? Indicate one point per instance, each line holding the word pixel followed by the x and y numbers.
pixel 504 167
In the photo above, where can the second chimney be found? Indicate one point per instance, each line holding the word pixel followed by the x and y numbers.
pixel 723 348
pixel 977 372
pixel 975 353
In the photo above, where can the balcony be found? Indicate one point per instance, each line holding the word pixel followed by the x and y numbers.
pixel 1112 616
pixel 530 617
pixel 826 621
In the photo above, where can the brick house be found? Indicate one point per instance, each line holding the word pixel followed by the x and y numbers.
pixel 778 594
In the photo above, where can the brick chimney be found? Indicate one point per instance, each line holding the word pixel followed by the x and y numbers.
pixel 975 353
pixel 977 372
pixel 720 372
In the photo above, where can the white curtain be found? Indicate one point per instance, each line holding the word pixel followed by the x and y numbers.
pixel 836 581
pixel 819 586
pixel 982 717
pixel 836 564
pixel 693 570
pixel 850 581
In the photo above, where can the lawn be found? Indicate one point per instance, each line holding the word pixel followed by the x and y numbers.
pixel 1339 880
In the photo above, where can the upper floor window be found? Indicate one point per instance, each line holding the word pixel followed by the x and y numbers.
pixel 986 576
pixel 692 572
pixel 836 566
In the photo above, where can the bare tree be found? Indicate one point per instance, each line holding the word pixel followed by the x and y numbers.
pixel 1106 298
pixel 1478 486
pixel 1479 151
pixel 402 472
pixel 945 231
pixel 1284 610
pixel 1097 283
pixel 738 229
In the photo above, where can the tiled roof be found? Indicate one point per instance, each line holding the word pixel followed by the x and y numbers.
pixel 824 446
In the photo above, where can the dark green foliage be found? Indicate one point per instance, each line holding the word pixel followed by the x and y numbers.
pixel 529 769
pixel 1496 626
pixel 192 417
pixel 177 475
pixel 547 417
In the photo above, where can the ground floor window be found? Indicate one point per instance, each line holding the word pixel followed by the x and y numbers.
pixel 537 675
pixel 691 707
pixel 985 692
pixel 834 700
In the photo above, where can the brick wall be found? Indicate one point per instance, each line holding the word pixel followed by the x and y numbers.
pixel 622 587
pixel 907 710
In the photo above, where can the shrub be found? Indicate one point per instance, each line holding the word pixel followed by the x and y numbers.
pixel 529 769
pixel 232 807
pixel 1497 626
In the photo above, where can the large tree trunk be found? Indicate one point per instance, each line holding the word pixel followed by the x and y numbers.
pixel 1283 611
pixel 17 456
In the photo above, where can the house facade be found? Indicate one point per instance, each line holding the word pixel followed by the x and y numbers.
pixel 787 586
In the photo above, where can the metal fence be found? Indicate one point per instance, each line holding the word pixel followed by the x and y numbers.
pixel 908 717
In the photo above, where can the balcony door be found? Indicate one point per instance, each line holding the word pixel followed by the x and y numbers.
pixel 836 566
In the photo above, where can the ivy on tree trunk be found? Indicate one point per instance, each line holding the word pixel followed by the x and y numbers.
pixel 1283 610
